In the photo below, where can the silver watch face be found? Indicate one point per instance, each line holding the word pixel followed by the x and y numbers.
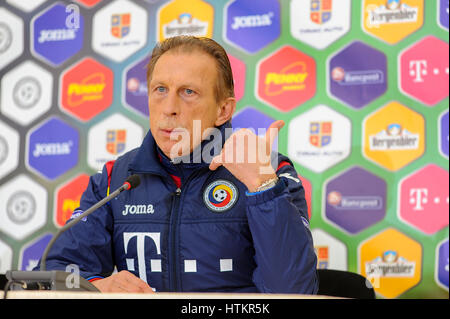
pixel 267 184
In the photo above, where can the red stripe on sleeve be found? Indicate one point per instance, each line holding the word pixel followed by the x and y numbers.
pixel 282 164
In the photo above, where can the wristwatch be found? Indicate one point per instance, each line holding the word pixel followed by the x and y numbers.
pixel 267 184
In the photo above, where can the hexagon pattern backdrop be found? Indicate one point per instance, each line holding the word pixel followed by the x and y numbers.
pixel 362 86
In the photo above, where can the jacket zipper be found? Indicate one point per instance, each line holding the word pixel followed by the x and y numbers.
pixel 173 262
pixel 173 230
pixel 174 236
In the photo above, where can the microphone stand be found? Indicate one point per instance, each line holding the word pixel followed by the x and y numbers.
pixel 55 279
pixel 77 220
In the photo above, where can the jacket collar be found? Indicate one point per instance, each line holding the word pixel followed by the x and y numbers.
pixel 150 159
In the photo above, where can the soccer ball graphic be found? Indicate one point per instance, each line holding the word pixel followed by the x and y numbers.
pixel 220 195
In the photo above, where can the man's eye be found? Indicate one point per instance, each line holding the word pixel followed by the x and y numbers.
pixel 161 89
pixel 189 91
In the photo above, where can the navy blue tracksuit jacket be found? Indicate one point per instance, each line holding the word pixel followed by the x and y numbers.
pixel 208 235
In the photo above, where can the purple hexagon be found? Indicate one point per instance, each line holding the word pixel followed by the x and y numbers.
pixel 32 252
pixel 442 264
pixel 357 75
pixel 355 200
pixel 53 148
pixel 136 92
pixel 57 33
pixel 443 17
pixel 252 25
pixel 251 118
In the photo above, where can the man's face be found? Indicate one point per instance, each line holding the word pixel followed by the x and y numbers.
pixel 181 91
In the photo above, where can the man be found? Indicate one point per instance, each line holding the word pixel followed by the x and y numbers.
pixel 208 214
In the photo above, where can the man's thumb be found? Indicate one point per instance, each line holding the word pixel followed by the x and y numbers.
pixel 216 162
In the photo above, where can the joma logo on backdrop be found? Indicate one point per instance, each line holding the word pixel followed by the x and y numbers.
pixel 253 21
pixel 72 24
pixel 45 149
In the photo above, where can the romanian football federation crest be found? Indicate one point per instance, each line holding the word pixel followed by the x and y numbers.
pixel 321 11
pixel 320 133
pixel 219 196
pixel 120 25
pixel 116 141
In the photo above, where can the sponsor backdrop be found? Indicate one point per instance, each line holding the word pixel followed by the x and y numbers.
pixel 362 86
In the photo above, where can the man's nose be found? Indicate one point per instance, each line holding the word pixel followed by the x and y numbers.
pixel 172 104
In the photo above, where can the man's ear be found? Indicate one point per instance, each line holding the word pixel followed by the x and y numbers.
pixel 225 111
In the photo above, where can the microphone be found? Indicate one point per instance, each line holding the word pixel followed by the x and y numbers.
pixel 131 182
pixel 41 276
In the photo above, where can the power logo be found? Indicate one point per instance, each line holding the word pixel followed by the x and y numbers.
pixel 290 78
pixel 394 136
pixel 180 17
pixel 89 89
pixel 392 20
pixel 286 79
pixel 392 261
pixel 86 89
pixel 68 199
